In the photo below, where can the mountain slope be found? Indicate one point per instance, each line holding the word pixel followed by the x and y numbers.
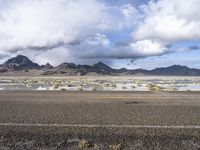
pixel 103 67
pixel 73 69
pixel 22 63
pixel 176 70
pixel 19 63
pixel 47 66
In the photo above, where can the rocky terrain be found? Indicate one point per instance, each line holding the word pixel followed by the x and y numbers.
pixel 22 65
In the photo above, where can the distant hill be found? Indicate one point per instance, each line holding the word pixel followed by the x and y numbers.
pixel 47 66
pixel 22 63
pixel 19 63
pixel 73 69
pixel 176 70
pixel 103 67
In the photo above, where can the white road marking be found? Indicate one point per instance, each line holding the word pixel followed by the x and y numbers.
pixel 98 126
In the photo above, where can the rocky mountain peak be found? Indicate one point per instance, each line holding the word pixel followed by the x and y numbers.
pixel 102 66
pixel 20 62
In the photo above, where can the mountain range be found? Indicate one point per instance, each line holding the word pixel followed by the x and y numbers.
pixel 22 64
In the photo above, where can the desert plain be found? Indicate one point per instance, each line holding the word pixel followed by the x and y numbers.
pixel 100 113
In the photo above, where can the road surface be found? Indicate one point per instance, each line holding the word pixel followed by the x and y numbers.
pixel 140 120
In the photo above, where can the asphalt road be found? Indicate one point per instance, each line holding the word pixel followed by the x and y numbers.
pixel 122 117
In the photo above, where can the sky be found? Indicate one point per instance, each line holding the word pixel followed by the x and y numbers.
pixel 121 33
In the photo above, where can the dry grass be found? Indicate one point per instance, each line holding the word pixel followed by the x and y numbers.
pixel 154 87
pixel 96 147
pixel 94 88
pixel 80 88
pixel 124 87
pixel 83 145
pixel 115 147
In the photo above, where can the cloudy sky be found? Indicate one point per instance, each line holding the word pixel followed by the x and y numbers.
pixel 122 33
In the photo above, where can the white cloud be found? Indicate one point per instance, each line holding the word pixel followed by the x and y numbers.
pixel 46 22
pixel 128 10
pixel 85 30
pixel 99 39
pixel 148 47
pixel 54 56
pixel 99 46
pixel 139 49
pixel 170 21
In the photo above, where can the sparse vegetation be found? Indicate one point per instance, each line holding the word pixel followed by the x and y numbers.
pixel 57 86
pixel 63 89
pixel 80 88
pixel 94 88
pixel 96 147
pixel 124 87
pixel 113 85
pixel 154 87
pixel 133 86
pixel 83 145
pixel 104 84
pixel 115 147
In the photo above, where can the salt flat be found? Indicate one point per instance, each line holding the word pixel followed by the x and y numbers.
pixel 102 83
